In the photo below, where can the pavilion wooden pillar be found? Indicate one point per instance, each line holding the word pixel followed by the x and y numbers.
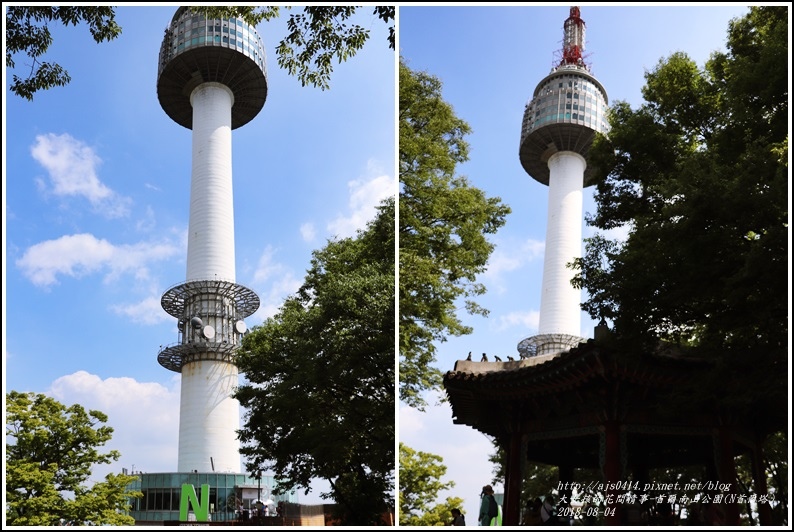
pixel 511 512
pixel 726 470
pixel 759 482
pixel 611 453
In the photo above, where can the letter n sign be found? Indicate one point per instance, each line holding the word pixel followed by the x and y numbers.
pixel 189 498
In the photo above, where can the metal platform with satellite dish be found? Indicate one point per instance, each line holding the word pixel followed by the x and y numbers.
pixel 215 311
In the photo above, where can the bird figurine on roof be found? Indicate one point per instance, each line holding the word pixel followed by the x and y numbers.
pixel 496 358
pixel 484 358
pixel 511 359
pixel 469 357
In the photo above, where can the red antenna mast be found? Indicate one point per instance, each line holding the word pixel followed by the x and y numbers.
pixel 573 40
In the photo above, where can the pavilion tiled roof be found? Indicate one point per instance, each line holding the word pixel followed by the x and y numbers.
pixel 589 384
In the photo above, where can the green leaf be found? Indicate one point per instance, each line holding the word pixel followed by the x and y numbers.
pixel 320 377
pixel 444 223
pixel 50 452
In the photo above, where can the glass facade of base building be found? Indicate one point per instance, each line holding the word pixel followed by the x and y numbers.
pixel 162 493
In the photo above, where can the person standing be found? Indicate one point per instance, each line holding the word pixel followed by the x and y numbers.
pixel 532 513
pixel 548 513
pixel 489 509
pixel 457 518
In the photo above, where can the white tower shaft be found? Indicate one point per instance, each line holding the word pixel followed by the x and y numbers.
pixel 559 302
pixel 209 416
pixel 210 248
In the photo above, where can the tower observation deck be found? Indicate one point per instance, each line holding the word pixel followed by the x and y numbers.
pixel 567 110
pixel 211 79
pixel 197 50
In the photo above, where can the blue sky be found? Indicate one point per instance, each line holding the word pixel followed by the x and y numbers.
pixel 96 184
pixel 490 60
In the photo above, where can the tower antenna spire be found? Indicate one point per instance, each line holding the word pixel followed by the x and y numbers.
pixel 573 40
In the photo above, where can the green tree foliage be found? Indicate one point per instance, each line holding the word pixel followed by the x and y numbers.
pixel 444 223
pixel 420 484
pixel 317 36
pixel 50 452
pixel 441 514
pixel 27 32
pixel 699 174
pixel 539 480
pixel 320 377
pixel 776 470
pixel 776 455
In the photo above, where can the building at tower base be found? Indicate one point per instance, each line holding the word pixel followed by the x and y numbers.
pixel 232 496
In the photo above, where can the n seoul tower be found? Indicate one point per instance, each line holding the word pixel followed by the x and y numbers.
pixel 567 109
pixel 211 79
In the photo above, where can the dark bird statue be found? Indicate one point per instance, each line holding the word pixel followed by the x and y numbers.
pixel 484 358
pixel 511 359
pixel 496 358
pixel 469 357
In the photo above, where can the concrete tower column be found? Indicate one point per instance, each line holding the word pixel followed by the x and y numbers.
pixel 210 83
pixel 559 301
pixel 208 416
pixel 210 245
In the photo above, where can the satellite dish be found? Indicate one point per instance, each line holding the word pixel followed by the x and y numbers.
pixel 196 322
pixel 240 326
pixel 209 332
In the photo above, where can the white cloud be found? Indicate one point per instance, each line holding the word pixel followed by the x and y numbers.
pixel 365 196
pixel 308 232
pixel 284 286
pixel 501 261
pixel 148 222
pixel 277 282
pixel 620 233
pixel 83 254
pixel 147 312
pixel 144 417
pixel 272 299
pixel 72 168
pixel 267 267
pixel 145 421
pixel 525 320
pixel 508 257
